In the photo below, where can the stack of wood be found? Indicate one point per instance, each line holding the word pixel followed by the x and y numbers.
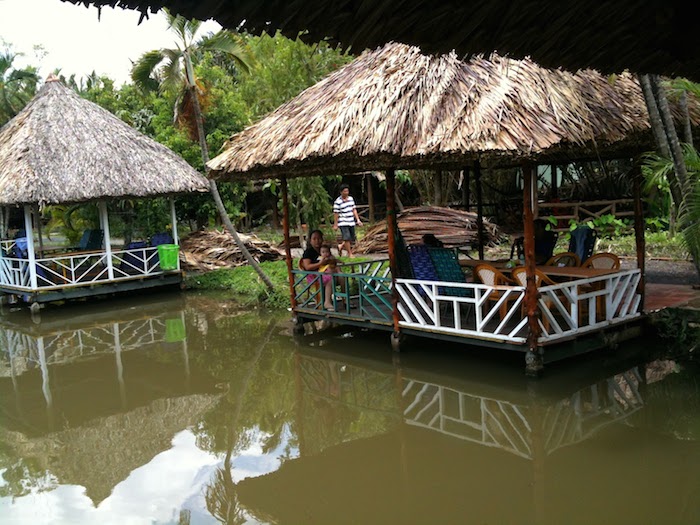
pixel 206 250
pixel 455 228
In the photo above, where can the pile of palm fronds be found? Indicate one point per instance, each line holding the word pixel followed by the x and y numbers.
pixel 455 228
pixel 211 249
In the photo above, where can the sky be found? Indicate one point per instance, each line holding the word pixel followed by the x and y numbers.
pixel 75 41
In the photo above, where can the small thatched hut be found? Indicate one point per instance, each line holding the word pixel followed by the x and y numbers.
pixel 62 148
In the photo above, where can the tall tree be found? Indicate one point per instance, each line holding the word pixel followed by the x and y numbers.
pixel 173 69
pixel 17 86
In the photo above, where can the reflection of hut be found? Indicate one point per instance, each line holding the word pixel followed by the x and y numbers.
pixel 61 149
pixel 100 396
pixel 442 441
pixel 395 108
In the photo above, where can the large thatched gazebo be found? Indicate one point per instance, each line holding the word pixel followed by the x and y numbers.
pixel 63 149
pixel 398 108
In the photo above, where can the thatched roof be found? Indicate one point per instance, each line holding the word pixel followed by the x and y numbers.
pixel 396 107
pixel 650 36
pixel 62 148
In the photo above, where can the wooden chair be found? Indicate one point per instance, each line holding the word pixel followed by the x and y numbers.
pixel 564 259
pixel 603 260
pixel 491 276
pixel 520 277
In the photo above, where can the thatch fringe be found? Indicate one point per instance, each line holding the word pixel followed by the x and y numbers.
pixel 455 228
pixel 398 108
pixel 62 148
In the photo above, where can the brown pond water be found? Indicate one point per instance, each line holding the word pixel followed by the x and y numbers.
pixel 175 409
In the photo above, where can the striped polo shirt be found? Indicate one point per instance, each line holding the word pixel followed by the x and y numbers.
pixel 344 211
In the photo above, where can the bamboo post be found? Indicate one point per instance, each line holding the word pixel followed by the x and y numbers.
pixel 287 248
pixel 466 190
pixel 391 241
pixel 104 222
pixel 479 209
pixel 639 229
pixel 533 357
pixel 173 221
pixel 555 182
pixel 29 232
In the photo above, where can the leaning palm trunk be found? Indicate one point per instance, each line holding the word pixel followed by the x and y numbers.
pixel 213 188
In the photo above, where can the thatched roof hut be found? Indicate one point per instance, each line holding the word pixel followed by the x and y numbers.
pixel 396 107
pixel 653 36
pixel 62 148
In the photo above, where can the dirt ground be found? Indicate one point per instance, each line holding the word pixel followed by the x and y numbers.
pixel 667 272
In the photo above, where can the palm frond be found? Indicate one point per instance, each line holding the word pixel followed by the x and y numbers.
pixel 142 71
pixel 231 44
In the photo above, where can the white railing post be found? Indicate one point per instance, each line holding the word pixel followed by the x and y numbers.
pixel 104 222
pixel 29 231
pixel 173 218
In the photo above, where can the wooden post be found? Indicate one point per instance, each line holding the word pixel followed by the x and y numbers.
pixel 391 242
pixel 437 188
pixel 639 228
pixel 533 357
pixel 104 222
pixel 29 232
pixel 555 182
pixel 370 197
pixel 479 210
pixel 466 190
pixel 287 248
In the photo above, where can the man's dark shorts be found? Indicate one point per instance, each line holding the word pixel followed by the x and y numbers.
pixel 348 233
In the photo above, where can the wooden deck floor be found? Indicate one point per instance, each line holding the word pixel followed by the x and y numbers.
pixel 660 296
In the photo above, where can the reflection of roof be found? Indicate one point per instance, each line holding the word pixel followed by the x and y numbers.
pixel 652 36
pixel 102 453
pixel 396 107
pixel 63 148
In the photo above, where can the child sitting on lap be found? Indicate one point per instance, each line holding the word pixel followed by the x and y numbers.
pixel 329 268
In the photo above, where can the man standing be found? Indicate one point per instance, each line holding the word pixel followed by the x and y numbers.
pixel 345 218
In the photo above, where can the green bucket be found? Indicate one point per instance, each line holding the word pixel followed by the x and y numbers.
pixel 174 330
pixel 168 255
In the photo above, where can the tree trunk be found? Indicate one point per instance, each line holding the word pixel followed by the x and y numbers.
pixel 673 142
pixel 659 133
pixel 213 188
pixel 687 125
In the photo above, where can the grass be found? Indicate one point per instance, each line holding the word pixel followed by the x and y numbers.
pixel 248 289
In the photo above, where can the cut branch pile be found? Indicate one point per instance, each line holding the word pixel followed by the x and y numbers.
pixel 455 228
pixel 206 250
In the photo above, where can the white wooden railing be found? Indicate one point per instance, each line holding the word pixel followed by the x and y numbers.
pixel 497 313
pixel 82 269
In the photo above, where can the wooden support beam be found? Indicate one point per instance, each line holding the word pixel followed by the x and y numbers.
pixel 287 248
pixel 370 197
pixel 639 228
pixel 479 209
pixel 104 223
pixel 533 357
pixel 29 232
pixel 391 241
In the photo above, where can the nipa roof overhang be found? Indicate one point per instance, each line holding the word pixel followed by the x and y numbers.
pixel 643 36
pixel 398 108
pixel 62 148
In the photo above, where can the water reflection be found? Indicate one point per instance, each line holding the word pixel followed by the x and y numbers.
pixel 186 409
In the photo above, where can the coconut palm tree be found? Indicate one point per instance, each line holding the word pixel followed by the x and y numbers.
pixel 17 86
pixel 173 69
